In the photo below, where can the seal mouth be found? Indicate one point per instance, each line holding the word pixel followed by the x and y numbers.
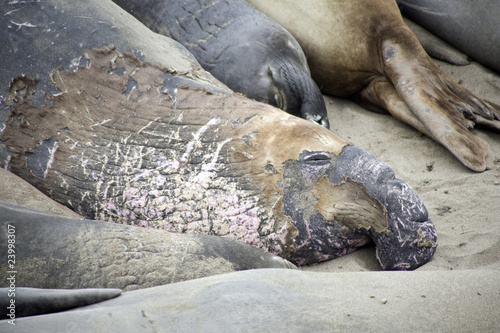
pixel 410 238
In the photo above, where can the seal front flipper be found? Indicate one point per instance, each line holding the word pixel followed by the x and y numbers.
pixel 445 109
pixel 380 95
pixel 33 301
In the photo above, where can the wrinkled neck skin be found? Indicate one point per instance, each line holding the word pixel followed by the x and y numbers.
pixel 242 47
pixel 176 156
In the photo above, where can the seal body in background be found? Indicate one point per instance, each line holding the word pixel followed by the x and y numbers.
pixel 469 26
pixel 240 46
pixel 365 51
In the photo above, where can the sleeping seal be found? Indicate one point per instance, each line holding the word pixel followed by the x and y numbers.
pixel 365 50
pixel 240 46
pixel 127 134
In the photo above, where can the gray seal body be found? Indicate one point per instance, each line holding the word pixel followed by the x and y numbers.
pixel 240 46
pixel 470 26
pixel 59 252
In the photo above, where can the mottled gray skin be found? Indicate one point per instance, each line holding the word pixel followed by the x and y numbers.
pixel 241 47
pixel 153 143
pixel 53 251
pixel 470 26
pixel 39 34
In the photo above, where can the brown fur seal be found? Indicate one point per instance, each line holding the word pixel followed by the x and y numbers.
pixel 364 49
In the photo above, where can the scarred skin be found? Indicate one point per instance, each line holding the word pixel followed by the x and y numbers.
pixel 241 47
pixel 364 50
pixel 121 139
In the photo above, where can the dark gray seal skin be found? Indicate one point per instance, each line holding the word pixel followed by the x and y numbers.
pixel 53 251
pixel 155 144
pixel 34 301
pixel 272 300
pixel 469 26
pixel 240 46
pixel 435 46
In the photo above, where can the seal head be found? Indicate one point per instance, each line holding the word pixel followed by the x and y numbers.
pixel 337 197
pixel 240 46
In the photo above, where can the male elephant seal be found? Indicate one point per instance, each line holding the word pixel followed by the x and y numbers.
pixel 240 46
pixel 364 49
pixel 471 27
pixel 121 139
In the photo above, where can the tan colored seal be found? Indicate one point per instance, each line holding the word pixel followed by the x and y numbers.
pixel 364 50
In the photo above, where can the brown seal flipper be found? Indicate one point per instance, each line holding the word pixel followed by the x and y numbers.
pixel 445 109
pixel 418 93
pixel 381 96
pixel 351 43
pixel 466 147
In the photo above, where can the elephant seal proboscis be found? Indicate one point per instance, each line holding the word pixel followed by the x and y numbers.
pixel 240 46
pixel 365 50
pixel 154 144
pixel 469 26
